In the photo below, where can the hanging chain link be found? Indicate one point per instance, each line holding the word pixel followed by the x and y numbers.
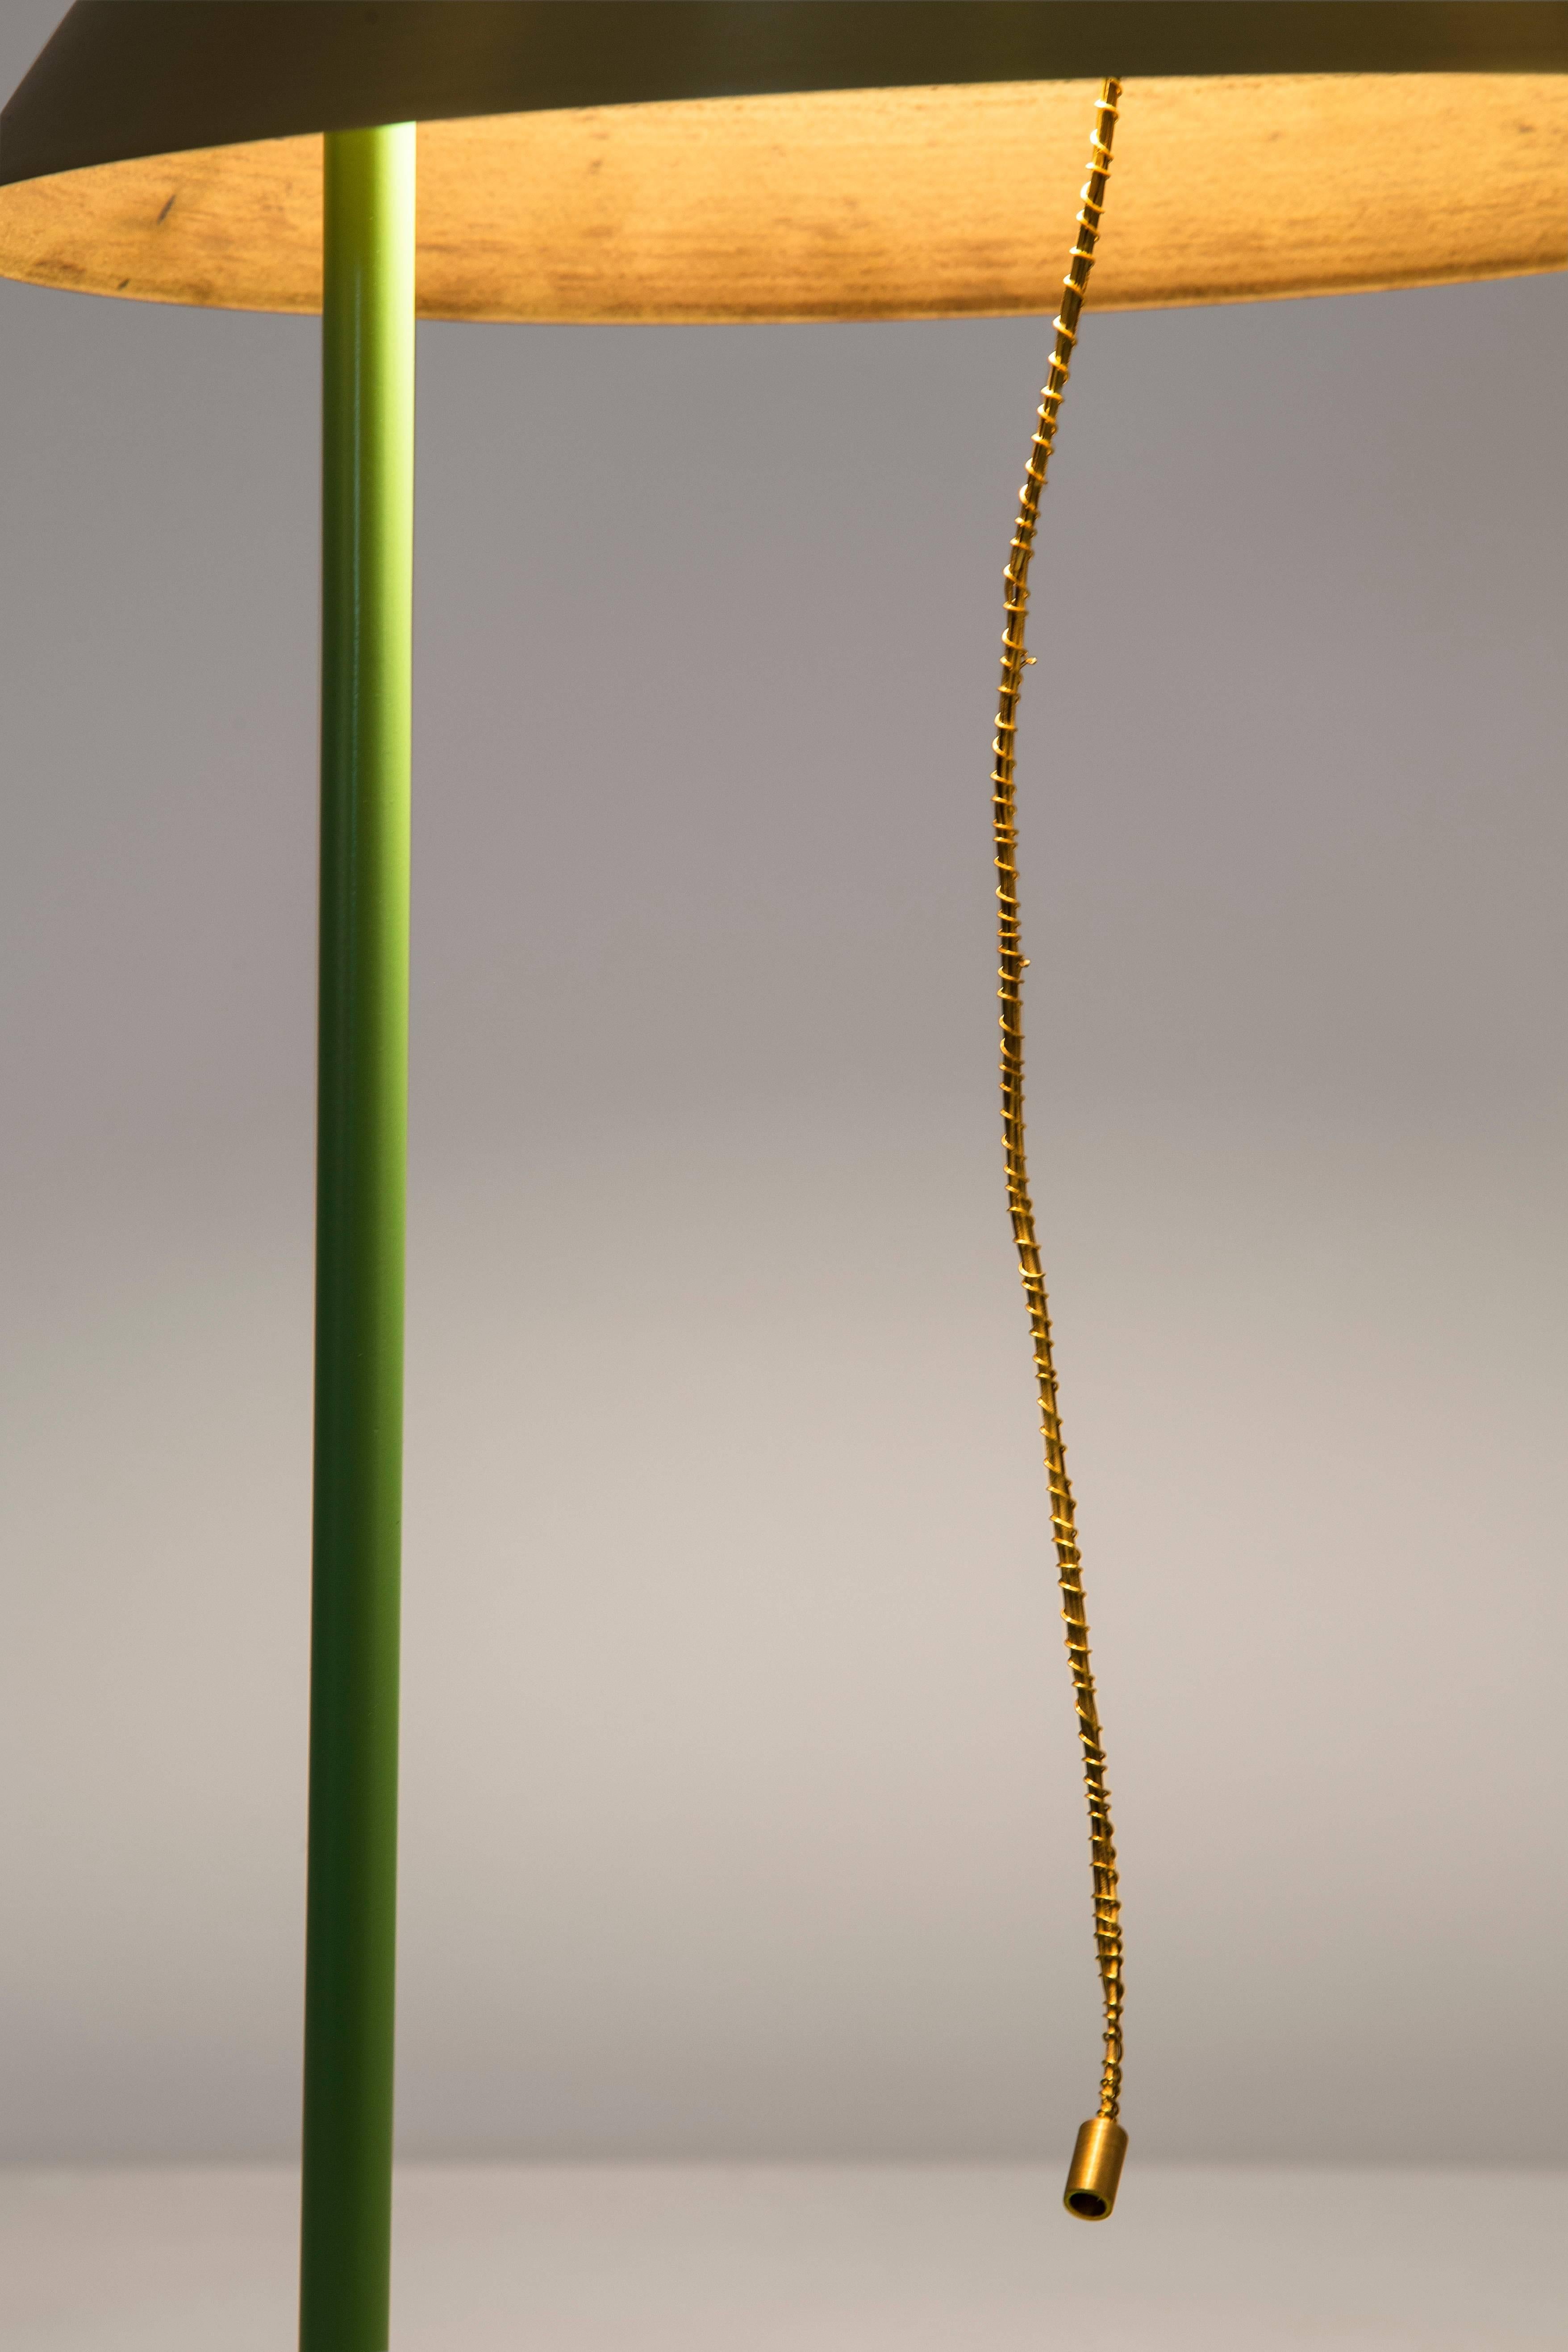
pixel 1013 965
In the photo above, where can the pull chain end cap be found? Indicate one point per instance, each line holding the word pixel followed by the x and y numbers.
pixel 1095 2168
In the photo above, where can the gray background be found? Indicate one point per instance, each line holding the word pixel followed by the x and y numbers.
pixel 742 1802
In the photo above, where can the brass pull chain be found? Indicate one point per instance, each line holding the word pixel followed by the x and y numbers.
pixel 1096 2163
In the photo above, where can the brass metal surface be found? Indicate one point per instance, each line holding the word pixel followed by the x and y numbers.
pixel 1095 2169
pixel 1013 963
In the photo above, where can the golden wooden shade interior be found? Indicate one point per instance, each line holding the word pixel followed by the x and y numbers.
pixel 915 203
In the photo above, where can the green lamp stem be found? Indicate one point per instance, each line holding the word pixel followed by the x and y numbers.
pixel 367 475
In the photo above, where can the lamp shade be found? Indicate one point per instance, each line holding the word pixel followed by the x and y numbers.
pixel 821 159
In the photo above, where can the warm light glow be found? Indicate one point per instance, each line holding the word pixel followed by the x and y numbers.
pixel 943 201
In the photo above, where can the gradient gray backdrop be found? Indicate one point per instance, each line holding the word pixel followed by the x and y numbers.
pixel 743 1813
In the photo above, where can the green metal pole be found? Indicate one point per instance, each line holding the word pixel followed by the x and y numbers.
pixel 367 349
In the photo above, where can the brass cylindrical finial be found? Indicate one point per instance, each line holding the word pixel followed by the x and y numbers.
pixel 1095 2168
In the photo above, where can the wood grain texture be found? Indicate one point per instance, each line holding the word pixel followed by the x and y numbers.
pixel 935 203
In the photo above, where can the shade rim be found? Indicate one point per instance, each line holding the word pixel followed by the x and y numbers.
pixel 121 81
pixel 950 201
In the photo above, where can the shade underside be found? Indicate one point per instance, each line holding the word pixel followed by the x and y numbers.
pixel 949 201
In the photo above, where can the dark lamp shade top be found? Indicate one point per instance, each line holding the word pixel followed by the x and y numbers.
pixel 819 159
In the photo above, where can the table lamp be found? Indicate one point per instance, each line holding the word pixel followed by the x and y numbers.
pixel 687 159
